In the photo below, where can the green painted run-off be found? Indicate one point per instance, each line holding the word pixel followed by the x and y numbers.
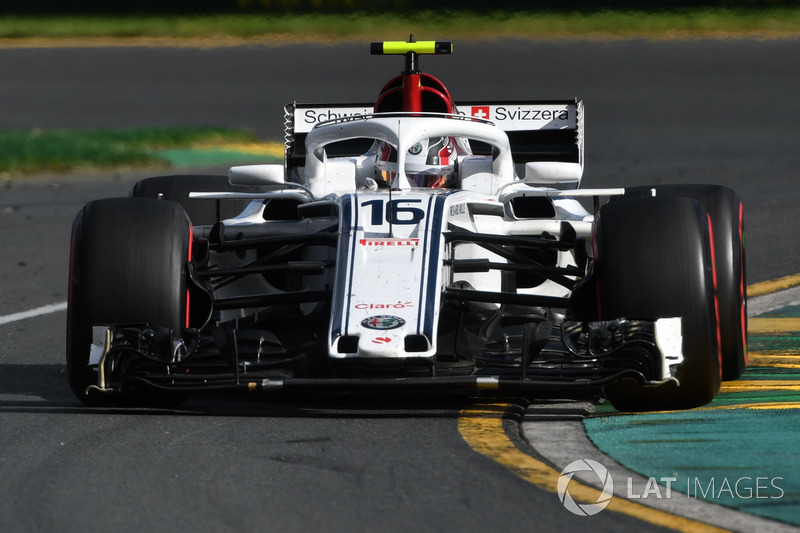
pixel 741 451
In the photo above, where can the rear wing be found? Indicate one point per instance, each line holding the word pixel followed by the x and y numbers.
pixel 545 130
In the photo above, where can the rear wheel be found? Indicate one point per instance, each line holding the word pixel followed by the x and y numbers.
pixel 727 216
pixel 654 261
pixel 127 265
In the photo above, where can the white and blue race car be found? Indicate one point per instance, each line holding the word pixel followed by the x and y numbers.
pixel 411 244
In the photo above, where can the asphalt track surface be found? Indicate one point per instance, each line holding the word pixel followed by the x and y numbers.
pixel 675 111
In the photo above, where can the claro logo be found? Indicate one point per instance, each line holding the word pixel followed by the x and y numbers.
pixel 399 304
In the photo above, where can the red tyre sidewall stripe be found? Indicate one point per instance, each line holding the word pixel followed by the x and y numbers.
pixel 189 258
pixel 716 298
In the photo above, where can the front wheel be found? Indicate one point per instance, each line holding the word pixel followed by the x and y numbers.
pixel 654 261
pixel 727 217
pixel 127 265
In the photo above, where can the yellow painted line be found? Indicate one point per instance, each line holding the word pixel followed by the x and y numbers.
pixel 773 325
pixel 773 405
pixel 482 428
pixel 760 385
pixel 786 355
pixel 789 359
pixel 766 287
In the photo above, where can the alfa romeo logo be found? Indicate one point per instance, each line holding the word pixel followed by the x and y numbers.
pixel 383 322
pixel 586 509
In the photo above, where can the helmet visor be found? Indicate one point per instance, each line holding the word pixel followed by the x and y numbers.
pixel 428 181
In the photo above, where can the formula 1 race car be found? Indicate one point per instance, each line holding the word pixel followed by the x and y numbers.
pixel 413 244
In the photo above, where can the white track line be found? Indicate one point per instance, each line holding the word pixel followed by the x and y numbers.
pixel 39 311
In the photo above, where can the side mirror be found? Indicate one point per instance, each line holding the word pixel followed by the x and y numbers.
pixel 257 175
pixel 557 174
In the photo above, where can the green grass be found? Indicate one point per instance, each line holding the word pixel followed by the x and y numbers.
pixel 425 25
pixel 63 150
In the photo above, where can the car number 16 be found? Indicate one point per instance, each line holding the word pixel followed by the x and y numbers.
pixel 394 211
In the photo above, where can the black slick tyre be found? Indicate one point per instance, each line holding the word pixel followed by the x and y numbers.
pixel 127 265
pixel 654 260
pixel 727 216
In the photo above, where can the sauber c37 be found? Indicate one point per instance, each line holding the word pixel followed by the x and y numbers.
pixel 411 244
